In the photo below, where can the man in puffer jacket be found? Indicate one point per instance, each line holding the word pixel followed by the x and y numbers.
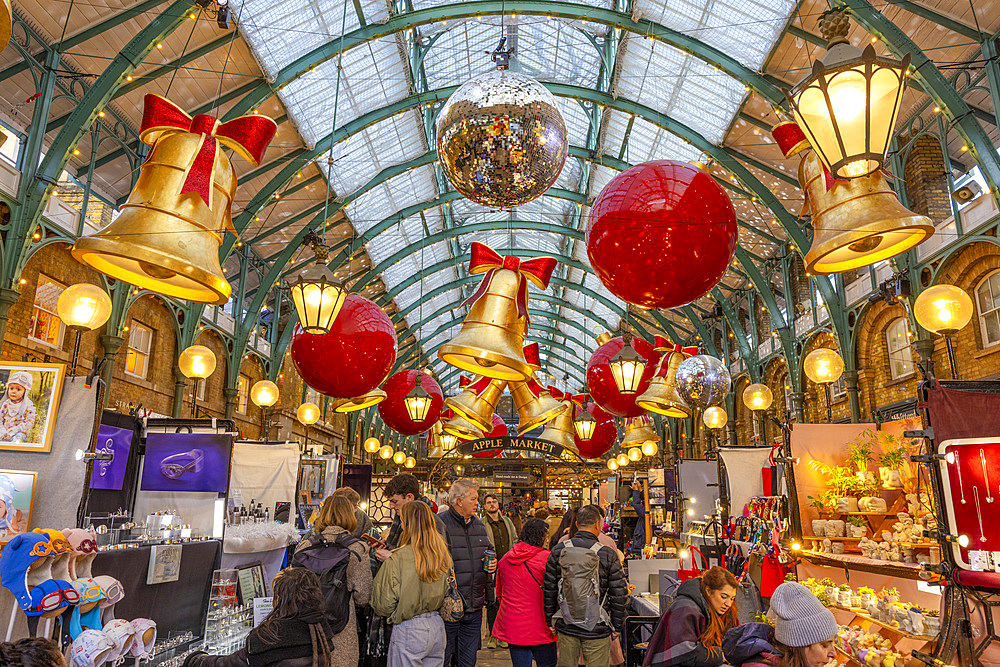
pixel 595 644
pixel 467 541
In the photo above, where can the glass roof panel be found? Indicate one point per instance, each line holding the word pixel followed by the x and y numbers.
pixel 576 120
pixel 569 177
pixel 406 189
pixel 281 32
pixel 745 29
pixel 373 75
pixel 359 158
pixel 688 89
pixel 644 141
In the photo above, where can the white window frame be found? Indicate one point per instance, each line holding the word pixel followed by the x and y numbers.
pixel 985 282
pixel 838 388
pixel 54 317
pixel 906 349
pixel 242 393
pixel 136 326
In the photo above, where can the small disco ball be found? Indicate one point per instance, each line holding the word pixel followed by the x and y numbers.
pixel 703 381
pixel 501 139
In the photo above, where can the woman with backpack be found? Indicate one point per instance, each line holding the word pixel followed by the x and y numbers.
pixel 521 617
pixel 295 633
pixel 410 587
pixel 334 526
pixel 691 631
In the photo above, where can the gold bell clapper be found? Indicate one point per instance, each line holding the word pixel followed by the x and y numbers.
pixel 534 405
pixel 490 342
pixel 560 430
pixel 478 401
pixel 168 234
pixel 638 432
pixel 662 396
pixel 856 222
pixel 463 429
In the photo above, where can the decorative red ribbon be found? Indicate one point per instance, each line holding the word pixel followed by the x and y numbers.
pixel 531 355
pixel 480 385
pixel 247 135
pixel 485 260
pixel 556 393
pixel 665 359
pixel 534 387
pixel 464 381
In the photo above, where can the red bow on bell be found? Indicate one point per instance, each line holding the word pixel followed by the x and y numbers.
pixel 665 359
pixel 247 135
pixel 485 260
pixel 464 381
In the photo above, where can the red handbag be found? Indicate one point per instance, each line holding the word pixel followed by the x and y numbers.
pixel 695 571
pixel 769 474
pixel 772 574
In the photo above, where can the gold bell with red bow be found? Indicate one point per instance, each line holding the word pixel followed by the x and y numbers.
pixel 856 222
pixel 560 430
pixel 168 235
pixel 534 404
pixel 462 428
pixel 478 401
pixel 492 334
pixel 638 432
pixel 662 396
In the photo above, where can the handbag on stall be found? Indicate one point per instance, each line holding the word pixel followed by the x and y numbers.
pixel 695 571
pixel 771 474
pixel 772 574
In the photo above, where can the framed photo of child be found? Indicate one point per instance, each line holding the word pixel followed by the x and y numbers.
pixel 29 403
pixel 17 495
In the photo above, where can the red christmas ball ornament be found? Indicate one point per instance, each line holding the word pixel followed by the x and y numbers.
pixel 354 357
pixel 601 382
pixel 393 409
pixel 605 432
pixel 661 234
pixel 499 430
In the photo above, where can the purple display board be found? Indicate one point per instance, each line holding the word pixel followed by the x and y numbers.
pixel 110 475
pixel 187 462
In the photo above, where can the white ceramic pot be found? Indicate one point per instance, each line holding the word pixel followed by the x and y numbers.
pixel 819 527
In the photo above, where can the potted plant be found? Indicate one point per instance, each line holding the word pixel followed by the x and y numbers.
pixel 831 589
pixel 844 596
pixel 859 450
pixel 857 526
pixel 867 595
pixel 891 595
pixel 932 622
pixel 891 466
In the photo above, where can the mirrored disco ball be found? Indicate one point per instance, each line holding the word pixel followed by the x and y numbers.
pixel 501 139
pixel 703 381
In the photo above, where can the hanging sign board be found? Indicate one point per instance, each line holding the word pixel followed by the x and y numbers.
pixel 549 449
pixel 510 476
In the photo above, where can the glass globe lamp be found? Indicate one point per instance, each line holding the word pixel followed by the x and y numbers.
pixel 823 366
pixel 385 452
pixel 372 445
pixel 634 454
pixel 196 361
pixel 84 306
pixel 399 458
pixel 623 460
pixel 715 417
pixel 308 414
pixel 409 462
pixel 612 464
pixel 757 397
pixel 650 448
pixel 264 393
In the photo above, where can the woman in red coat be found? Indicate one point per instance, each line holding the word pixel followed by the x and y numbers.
pixel 521 618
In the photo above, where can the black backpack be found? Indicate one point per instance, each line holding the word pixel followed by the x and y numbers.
pixel 329 561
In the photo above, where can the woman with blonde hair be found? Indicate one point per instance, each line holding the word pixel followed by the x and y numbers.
pixel 410 588
pixel 334 526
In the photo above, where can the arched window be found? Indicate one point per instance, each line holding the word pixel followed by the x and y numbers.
pixel 988 302
pixel 897 338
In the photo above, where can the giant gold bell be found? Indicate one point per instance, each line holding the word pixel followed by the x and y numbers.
pixel 374 397
pixel 662 396
pixel 462 428
pixel 492 334
pixel 638 432
pixel 478 401
pixel 534 405
pixel 164 241
pixel 560 430
pixel 857 222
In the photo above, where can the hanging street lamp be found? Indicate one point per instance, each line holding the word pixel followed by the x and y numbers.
pixel 824 367
pixel 944 309
pixel 316 293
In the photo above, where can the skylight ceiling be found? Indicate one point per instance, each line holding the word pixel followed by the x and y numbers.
pixel 378 73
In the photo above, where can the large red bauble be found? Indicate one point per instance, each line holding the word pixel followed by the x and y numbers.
pixel 354 357
pixel 601 382
pixel 605 432
pixel 661 234
pixel 393 410
pixel 499 430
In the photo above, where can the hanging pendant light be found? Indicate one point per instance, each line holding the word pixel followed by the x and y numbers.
pixel 622 460
pixel 627 367
pixel 612 464
pixel 317 294
pixel 848 104
pixel 417 401
pixel 372 445
pixel 385 452
pixel 399 458
pixel 584 425
pixel 374 397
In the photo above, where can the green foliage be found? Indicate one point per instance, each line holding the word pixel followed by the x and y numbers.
pixel 859 450
pixel 864 590
pixel 824 502
pixel 827 582
pixel 791 577
pixel 890 592
pixel 893 458
pixel 856 521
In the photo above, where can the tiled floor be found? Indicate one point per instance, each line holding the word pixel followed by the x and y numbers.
pixel 499 657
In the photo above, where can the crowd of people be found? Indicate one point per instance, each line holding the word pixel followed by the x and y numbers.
pixel 551 582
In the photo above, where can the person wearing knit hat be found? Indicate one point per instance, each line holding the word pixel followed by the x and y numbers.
pixel 804 629
pixel 17 412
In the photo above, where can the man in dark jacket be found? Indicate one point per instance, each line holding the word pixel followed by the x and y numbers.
pixel 468 541
pixel 595 643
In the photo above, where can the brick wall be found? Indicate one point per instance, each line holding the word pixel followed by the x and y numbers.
pixel 155 391
pixel 927 179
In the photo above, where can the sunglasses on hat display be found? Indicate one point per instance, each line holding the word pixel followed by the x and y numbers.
pixel 41 549
pixel 64 597
pixel 173 467
pixel 89 590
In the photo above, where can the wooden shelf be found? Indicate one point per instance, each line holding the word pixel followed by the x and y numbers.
pixel 834 539
pixel 907 635
pixel 856 562
pixel 851 660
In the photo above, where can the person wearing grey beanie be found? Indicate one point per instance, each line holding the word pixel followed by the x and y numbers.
pixel 804 629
